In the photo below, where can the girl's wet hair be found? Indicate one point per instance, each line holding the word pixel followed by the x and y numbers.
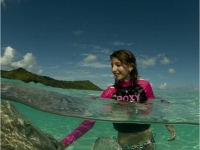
pixel 126 57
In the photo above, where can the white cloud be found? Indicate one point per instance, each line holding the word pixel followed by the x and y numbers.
pixel 110 84
pixel 94 65
pixel 55 68
pixel 90 58
pixel 83 46
pixel 84 73
pixel 28 62
pixel 39 70
pixel 163 86
pixel 150 62
pixel 165 61
pixel 97 47
pixel 160 55
pixel 128 44
pixel 171 70
pixel 105 51
pixel 77 32
pixel 8 57
pixel 118 43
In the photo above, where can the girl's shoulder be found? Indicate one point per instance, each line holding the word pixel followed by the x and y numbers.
pixel 146 85
pixel 143 82
pixel 107 93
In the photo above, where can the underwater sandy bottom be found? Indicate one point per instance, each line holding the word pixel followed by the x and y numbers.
pixel 60 126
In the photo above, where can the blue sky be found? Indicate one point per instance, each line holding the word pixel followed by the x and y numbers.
pixel 72 39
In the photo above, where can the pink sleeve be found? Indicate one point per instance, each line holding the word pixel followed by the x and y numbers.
pixel 78 132
pixel 87 124
pixel 147 88
pixel 108 92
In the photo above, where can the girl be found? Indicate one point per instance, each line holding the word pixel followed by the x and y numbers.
pixel 127 88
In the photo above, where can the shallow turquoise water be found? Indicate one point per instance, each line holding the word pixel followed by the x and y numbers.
pixel 60 126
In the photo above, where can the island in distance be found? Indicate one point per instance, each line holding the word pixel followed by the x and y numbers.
pixel 26 76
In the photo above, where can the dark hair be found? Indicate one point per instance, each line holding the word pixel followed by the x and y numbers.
pixel 126 57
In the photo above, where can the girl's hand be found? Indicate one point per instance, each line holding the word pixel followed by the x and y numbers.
pixel 61 146
pixel 171 129
pixel 58 145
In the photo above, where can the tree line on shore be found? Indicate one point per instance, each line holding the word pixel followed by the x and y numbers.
pixel 26 76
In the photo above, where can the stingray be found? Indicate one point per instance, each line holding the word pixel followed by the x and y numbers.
pixel 155 111
pixel 18 133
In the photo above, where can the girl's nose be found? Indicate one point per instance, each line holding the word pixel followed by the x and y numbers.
pixel 114 68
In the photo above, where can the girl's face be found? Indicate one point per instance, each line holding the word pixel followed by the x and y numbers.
pixel 120 71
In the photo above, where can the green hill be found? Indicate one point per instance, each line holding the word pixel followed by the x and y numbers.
pixel 24 75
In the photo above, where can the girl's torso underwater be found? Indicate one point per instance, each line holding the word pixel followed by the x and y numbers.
pixel 138 138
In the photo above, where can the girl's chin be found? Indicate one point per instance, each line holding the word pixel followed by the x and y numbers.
pixel 118 78
pixel 121 79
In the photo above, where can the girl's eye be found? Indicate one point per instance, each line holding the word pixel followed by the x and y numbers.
pixel 118 65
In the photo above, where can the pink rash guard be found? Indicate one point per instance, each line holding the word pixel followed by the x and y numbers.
pixel 86 125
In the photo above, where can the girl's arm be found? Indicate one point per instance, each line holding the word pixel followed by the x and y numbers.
pixel 86 125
